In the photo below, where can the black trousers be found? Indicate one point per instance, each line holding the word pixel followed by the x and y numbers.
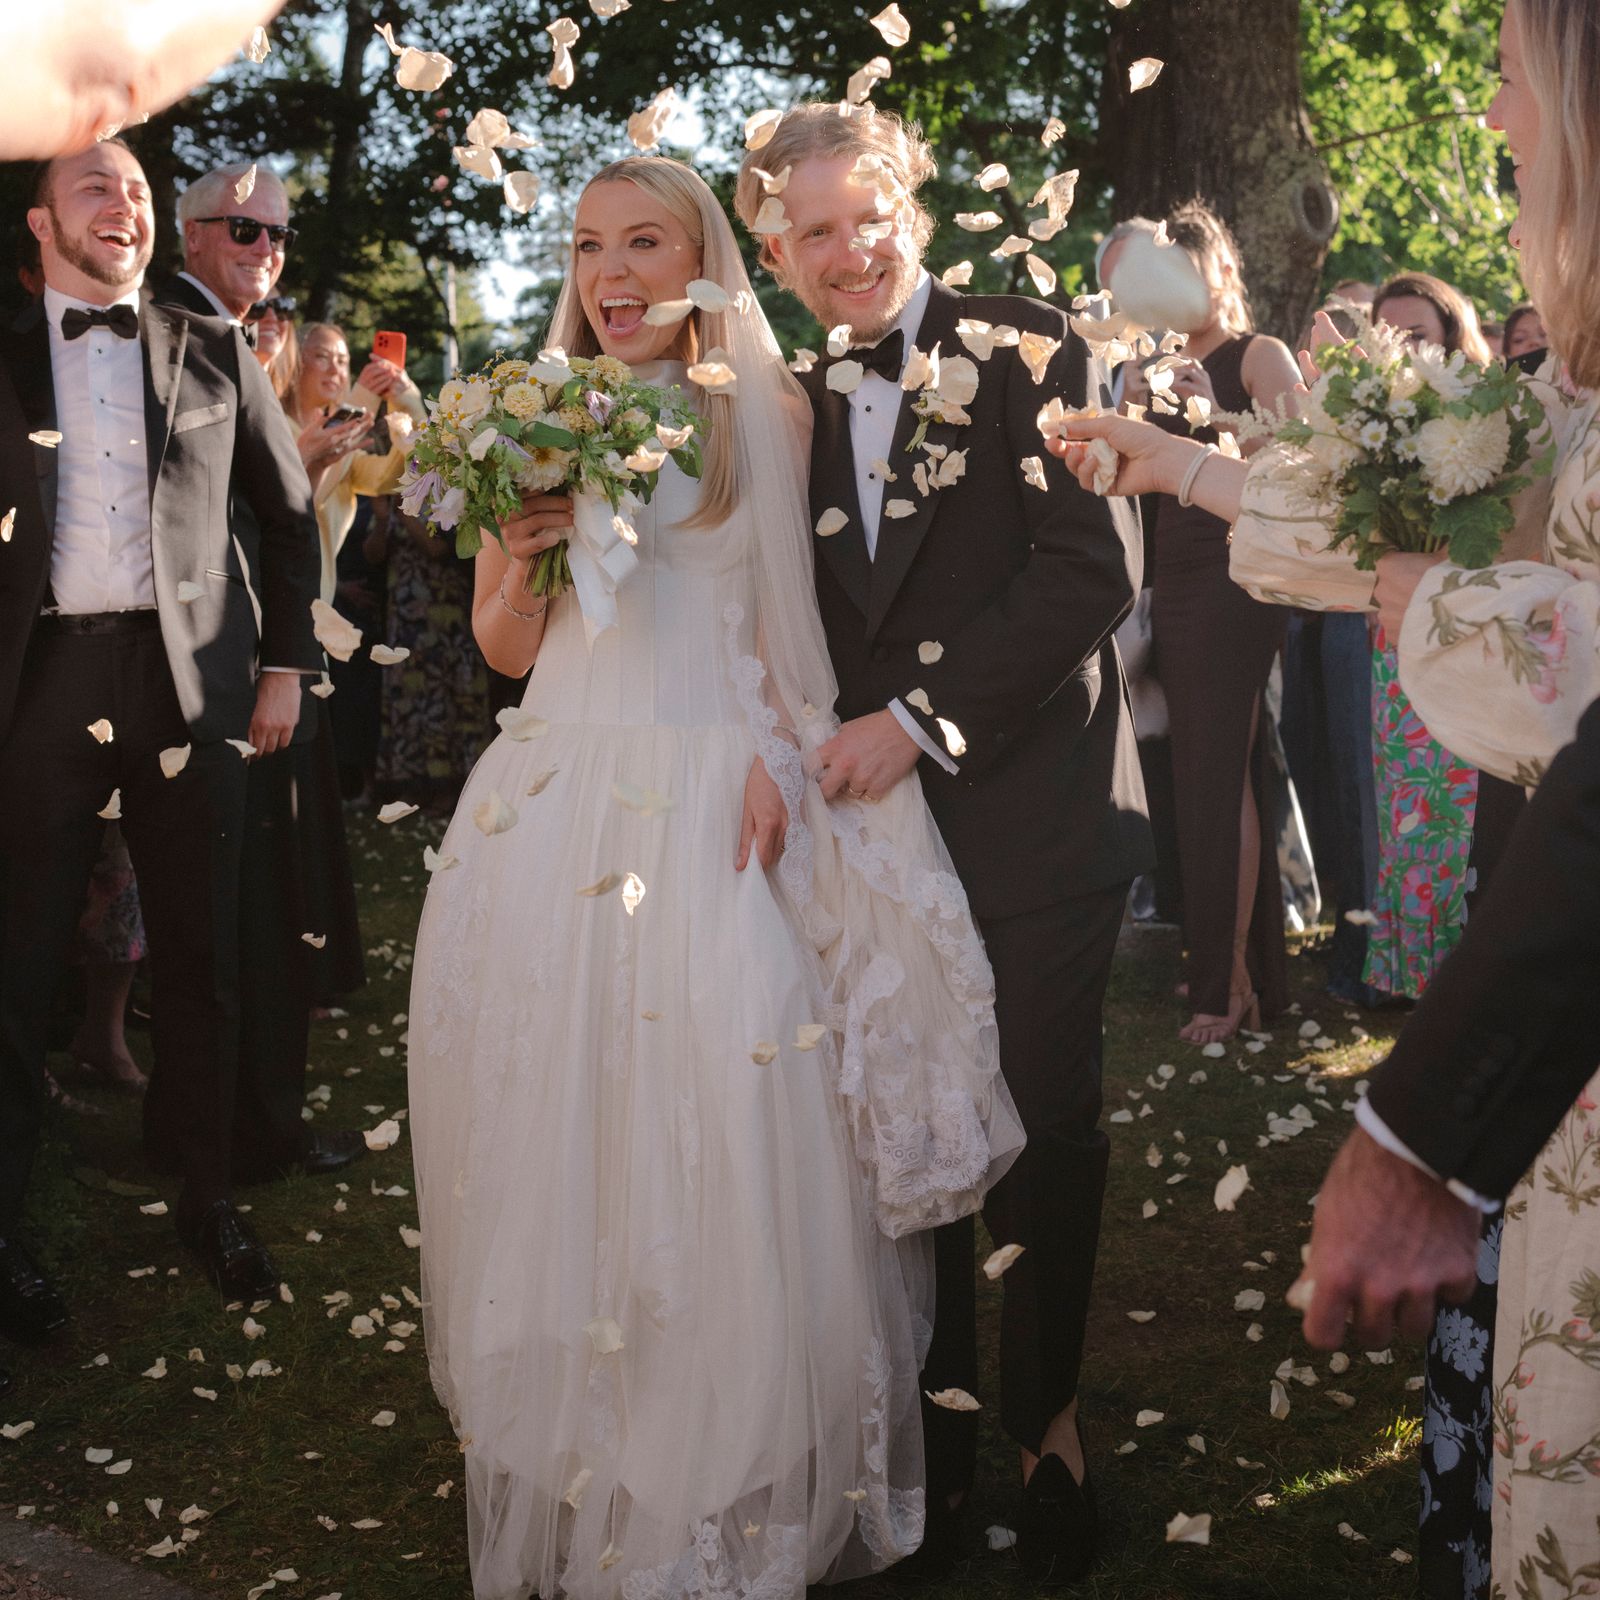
pixel 183 834
pixel 1051 968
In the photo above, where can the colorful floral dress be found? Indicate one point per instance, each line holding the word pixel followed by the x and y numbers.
pixel 1426 799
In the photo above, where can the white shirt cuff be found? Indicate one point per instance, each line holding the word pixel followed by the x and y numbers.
pixel 924 743
pixel 299 672
pixel 1380 1133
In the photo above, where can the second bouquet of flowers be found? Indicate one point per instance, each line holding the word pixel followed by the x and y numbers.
pixel 588 426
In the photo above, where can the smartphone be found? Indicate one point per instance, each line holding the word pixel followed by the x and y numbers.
pixel 390 347
pixel 342 414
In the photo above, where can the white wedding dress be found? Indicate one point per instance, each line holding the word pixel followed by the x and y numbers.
pixel 680 1353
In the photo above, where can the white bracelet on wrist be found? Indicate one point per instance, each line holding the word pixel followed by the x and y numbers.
pixel 1186 488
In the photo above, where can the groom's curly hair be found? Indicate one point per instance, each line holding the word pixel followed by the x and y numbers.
pixel 819 128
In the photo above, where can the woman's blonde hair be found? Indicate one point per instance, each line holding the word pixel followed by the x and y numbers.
pixel 1560 223
pixel 694 207
pixel 290 393
pixel 818 129
pixel 1196 228
pixel 1457 316
pixel 283 371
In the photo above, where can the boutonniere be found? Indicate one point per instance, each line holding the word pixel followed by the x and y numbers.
pixel 946 389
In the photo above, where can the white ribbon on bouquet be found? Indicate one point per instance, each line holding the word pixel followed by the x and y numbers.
pixel 601 556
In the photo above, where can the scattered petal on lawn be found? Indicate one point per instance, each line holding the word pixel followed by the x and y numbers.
pixel 1254 1333
pixel 1149 1209
pixel 1402 1556
pixel 1341 1399
pixel 205 1394
pixel 410 1237
pixel 1381 1358
pixel 1148 1419
pixel 384 1136
pixel 892 25
pixel 15 1430
pixel 1230 1186
pixel 118 1468
pixel 954 1400
pixel 1143 73
pixel 1000 1538
pixel 1186 1529
pixel 1197 1443
pixel 367 1523
pixel 1249 1300
pixel 604 1335
pixel 1001 1260
pixel 97 1457
pixel 601 886
pixel 1141 1316
pixel 1278 1400
pixel 383 1419
pixel 158 1370
pixel 1338 1362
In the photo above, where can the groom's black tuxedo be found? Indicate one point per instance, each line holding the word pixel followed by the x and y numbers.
pixel 181 674
pixel 1045 818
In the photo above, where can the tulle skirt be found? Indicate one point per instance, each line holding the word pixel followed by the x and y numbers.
pixel 679 1352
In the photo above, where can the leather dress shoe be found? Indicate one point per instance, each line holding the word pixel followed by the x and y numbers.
pixel 320 1153
pixel 234 1259
pixel 1059 1527
pixel 30 1308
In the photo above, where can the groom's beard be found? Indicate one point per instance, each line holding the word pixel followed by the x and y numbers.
pixel 871 320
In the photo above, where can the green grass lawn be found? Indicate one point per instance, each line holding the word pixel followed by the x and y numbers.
pixel 288 1464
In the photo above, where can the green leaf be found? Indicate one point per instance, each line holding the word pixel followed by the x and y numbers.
pixel 546 436
pixel 1473 528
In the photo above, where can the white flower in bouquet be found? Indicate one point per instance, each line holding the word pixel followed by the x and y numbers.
pixel 1407 385
pixel 1441 373
pixel 1332 452
pixel 546 467
pixel 1461 455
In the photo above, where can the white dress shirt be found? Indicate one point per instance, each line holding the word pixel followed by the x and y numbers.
pixel 1382 1134
pixel 874 411
pixel 222 310
pixel 100 557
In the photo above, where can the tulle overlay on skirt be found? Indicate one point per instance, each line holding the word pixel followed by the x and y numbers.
pixel 678 1348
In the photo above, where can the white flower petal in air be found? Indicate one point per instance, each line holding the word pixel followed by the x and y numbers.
pixel 315 940
pixel 479 160
pixel 1054 129
pixel 708 294
pixel 1012 245
pixel 771 218
pixel 243 746
pixel 957 382
pixel 764 1052
pixel 258 46
pixel 1186 1529
pixel 953 1400
pixel 645 459
pixel 953 740
pixel 844 377
pixel 395 810
pixel 246 186
pixel 1044 278
pixel 919 699
pixel 832 521
pixel 434 861
pixel 563 35
pixel 808 1035
pixel 515 723
pixel 601 886
pixel 1002 1258
pixel 646 125
pixel 994 176
pixel 1143 73
pixel 493 815
pixel 978 221
pixel 1056 194
pixel 760 127
pixel 899 508
pixel 7 523
pixel 1036 349
pixel 521 190
pixel 865 79
pixel 929 651
pixel 647 802
pixel 1230 1186
pixel 341 639
pixel 773 182
pixel 714 373
pixel 674 438
pixel 605 1335
pixel 921 370
pixel 538 786
pixel 839 340
pixel 610 8
pixel 633 892
pixel 102 730
pixel 891 23
pixel 174 759
pixel 112 809
pixel 957 276
pixel 422 71
pixel 385 655
pixel 48 437
pixel 663 313
pixel 574 1494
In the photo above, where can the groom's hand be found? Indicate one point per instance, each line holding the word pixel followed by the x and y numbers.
pixel 866 758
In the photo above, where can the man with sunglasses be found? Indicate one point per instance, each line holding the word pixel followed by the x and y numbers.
pixel 295 876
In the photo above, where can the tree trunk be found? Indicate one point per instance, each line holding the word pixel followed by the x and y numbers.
pixel 1226 121
pixel 351 110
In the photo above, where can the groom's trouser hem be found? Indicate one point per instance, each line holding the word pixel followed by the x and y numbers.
pixel 1051 969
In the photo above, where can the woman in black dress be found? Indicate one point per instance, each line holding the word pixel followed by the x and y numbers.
pixel 1214 649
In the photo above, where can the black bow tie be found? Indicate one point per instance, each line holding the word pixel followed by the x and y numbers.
pixel 886 358
pixel 121 320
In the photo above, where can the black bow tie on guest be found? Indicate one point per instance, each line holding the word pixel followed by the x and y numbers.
pixel 886 357
pixel 121 320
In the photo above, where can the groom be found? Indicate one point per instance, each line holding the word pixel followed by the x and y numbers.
pixel 970 614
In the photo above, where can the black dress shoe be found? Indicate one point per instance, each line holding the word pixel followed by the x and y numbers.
pixel 1059 1528
pixel 332 1151
pixel 30 1308
pixel 940 1551
pixel 226 1245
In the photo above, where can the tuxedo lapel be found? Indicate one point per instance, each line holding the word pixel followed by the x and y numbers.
pixel 833 486
pixel 28 356
pixel 165 337
pixel 899 538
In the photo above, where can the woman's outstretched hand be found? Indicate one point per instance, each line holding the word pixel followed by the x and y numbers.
pixel 765 821
pixel 1149 461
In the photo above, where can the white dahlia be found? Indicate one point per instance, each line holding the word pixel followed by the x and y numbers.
pixel 1461 455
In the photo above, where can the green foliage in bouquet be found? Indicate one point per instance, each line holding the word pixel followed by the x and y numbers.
pixel 1422 452
pixel 543 427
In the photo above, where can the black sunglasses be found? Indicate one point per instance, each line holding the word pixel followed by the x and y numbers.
pixel 280 305
pixel 246 230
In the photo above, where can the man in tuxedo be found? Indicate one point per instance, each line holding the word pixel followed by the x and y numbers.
pixel 234 253
pixel 969 615
pixel 141 644
pixel 1486 1067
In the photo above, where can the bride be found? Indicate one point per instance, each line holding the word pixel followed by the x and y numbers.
pixel 675 1154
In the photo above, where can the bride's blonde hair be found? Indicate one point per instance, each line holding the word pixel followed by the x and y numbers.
pixel 694 207
pixel 1560 220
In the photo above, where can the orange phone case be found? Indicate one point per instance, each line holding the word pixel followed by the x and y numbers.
pixel 390 347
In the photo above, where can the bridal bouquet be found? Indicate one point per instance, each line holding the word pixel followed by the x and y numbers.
pixel 1420 451
pixel 537 427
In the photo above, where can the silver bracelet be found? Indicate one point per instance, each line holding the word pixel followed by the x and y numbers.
pixel 521 616
pixel 1186 487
